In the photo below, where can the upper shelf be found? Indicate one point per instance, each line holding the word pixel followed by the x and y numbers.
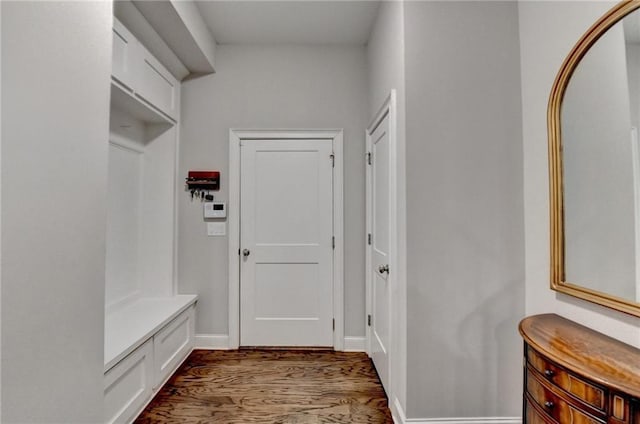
pixel 173 31
pixel 126 101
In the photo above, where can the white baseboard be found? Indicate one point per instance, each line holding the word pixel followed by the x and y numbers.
pixel 212 341
pixel 397 412
pixel 221 342
pixel 399 417
pixel 466 420
pixel 355 344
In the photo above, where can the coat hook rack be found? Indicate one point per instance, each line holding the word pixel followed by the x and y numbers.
pixel 200 183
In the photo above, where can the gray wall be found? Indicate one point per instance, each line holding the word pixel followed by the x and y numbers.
pixel 548 30
pixel 269 87
pixel 465 243
pixel 56 61
pixel 385 58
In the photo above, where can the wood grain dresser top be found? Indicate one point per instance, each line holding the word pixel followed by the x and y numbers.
pixel 587 352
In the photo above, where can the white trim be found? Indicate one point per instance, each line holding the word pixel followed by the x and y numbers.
pixel 466 420
pixel 338 232
pixel 367 249
pixel 397 412
pixel 399 417
pixel 212 342
pixel 235 136
pixel 355 344
pixel 233 220
pixel 178 194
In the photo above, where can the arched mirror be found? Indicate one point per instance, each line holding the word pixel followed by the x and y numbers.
pixel 594 159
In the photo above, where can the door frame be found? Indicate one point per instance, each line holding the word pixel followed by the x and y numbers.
pixel 388 109
pixel 233 215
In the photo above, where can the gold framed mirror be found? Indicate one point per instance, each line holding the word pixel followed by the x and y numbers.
pixel 594 164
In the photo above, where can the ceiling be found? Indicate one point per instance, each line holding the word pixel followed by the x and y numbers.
pixel 308 22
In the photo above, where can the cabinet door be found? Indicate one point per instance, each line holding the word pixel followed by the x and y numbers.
pixel 156 85
pixel 128 385
pixel 172 344
pixel 124 55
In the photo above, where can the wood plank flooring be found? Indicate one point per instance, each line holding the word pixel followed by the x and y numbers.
pixel 271 386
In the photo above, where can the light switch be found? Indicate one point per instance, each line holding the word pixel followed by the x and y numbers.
pixel 216 228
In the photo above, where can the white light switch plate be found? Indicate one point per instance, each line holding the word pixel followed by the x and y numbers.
pixel 216 228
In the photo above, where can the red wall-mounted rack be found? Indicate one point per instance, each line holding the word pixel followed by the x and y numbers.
pixel 203 180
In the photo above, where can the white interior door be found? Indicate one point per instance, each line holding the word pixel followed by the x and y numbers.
pixel 286 243
pixel 379 227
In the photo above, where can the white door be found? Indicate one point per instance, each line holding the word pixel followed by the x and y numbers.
pixel 286 243
pixel 379 247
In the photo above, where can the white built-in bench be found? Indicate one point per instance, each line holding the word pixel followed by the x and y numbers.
pixel 145 342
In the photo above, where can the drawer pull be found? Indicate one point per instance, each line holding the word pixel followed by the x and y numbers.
pixel 549 373
pixel 549 405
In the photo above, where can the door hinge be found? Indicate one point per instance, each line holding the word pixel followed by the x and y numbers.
pixel 333 160
pixel 238 252
pixel 333 242
pixel 369 320
pixel 369 158
pixel 369 238
pixel 333 324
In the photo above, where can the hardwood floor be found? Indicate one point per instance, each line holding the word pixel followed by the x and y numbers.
pixel 271 386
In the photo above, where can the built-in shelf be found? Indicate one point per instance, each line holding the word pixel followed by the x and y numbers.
pixel 129 327
pixel 126 101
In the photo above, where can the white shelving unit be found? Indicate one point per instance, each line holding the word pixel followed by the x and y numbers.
pixel 149 328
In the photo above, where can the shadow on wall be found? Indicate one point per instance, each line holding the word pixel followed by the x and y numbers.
pixel 490 348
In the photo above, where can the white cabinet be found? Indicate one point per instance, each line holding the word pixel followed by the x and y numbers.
pixel 145 343
pixel 144 317
pixel 172 344
pixel 155 84
pixel 129 385
pixel 136 70
pixel 124 46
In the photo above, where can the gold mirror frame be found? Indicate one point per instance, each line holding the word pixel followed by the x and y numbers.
pixel 556 188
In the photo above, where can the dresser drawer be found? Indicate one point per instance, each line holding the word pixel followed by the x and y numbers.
pixel 620 408
pixel 586 392
pixel 554 404
pixel 635 411
pixel 533 416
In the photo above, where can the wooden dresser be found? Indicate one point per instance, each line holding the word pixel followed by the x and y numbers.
pixel 573 374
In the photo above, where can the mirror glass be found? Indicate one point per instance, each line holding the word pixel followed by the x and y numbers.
pixel 599 119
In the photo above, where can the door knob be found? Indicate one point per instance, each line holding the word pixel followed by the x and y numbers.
pixel 246 252
pixel 383 268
